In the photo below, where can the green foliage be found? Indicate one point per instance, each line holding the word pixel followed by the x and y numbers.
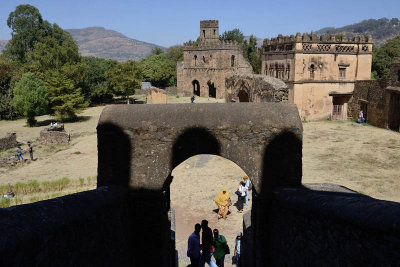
pixel 175 53
pixel 27 28
pixel 30 97
pixel 95 88
pixel 8 72
pixel 250 50
pixel 123 78
pixel 232 35
pixel 157 51
pixel 384 56
pixel 65 99
pixel 160 70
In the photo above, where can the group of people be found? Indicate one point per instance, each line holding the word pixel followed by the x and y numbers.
pixel 212 244
pixel 223 200
pixel 53 124
pixel 361 118
pixel 19 152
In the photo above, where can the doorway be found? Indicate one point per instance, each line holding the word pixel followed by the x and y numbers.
pixel 196 87
pixel 243 96
pixel 394 112
pixel 212 91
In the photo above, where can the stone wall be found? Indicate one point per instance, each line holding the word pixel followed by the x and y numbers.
pixel 8 141
pixel 54 137
pixel 321 225
pixel 156 96
pixel 258 88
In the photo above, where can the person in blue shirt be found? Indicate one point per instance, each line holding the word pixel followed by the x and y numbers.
pixel 193 251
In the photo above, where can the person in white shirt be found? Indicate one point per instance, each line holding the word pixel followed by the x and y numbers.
pixel 241 192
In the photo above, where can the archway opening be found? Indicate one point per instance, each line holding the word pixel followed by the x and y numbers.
pixel 212 91
pixel 196 87
pixel 243 96
pixel 196 183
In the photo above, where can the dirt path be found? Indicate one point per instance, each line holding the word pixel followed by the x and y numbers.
pixel 197 181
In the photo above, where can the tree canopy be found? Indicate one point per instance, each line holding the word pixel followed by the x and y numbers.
pixel 384 56
pixel 30 97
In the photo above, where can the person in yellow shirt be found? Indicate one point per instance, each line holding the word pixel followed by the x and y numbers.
pixel 223 201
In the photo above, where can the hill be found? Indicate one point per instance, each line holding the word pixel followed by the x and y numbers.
pixel 109 44
pixel 380 29
pixel 99 42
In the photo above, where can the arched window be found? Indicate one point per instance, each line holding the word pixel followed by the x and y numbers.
pixel 232 60
pixel 204 33
pixel 195 60
pixel 204 59
pixel 288 71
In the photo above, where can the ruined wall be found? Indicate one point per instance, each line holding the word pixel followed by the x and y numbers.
pixel 8 141
pixel 259 88
pixel 156 96
pixel 54 137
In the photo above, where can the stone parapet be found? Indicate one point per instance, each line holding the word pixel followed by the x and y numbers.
pixel 219 45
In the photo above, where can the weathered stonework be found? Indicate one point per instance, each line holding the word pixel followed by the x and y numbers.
pixel 8 141
pixel 156 96
pixel 255 88
pixel 207 63
pixel 319 70
pixel 54 135
pixel 379 100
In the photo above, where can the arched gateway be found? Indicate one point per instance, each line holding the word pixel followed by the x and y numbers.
pixel 140 145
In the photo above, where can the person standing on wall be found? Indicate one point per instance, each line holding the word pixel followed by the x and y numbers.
pixel 221 248
pixel 249 186
pixel 207 245
pixel 193 251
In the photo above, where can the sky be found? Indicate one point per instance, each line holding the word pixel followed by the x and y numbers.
pixel 168 23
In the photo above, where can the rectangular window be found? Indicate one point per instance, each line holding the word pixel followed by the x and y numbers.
pixel 342 73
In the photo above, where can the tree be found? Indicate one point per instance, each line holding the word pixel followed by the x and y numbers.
pixel 65 99
pixel 8 74
pixel 157 51
pixel 124 78
pixel 175 53
pixel 27 28
pixel 95 88
pixel 232 35
pixel 160 70
pixel 30 97
pixel 384 56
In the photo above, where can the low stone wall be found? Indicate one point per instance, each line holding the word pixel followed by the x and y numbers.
pixel 8 141
pixel 54 137
pixel 329 225
pixel 156 96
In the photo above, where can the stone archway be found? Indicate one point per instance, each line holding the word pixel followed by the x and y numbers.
pixel 263 139
pixel 243 96
pixel 196 87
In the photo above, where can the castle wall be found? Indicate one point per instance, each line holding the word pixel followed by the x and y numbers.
pixel 314 66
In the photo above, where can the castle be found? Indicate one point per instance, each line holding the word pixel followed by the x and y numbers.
pixel 320 71
pixel 208 62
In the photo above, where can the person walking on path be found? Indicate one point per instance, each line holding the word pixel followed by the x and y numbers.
pixel 19 153
pixel 236 253
pixel 220 248
pixel 223 201
pixel 241 192
pixel 207 245
pixel 30 149
pixel 248 185
pixel 193 251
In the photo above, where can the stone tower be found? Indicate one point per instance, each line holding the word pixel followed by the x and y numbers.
pixel 209 31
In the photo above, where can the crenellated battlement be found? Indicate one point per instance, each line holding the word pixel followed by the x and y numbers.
pixel 209 24
pixel 318 43
pixel 218 45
